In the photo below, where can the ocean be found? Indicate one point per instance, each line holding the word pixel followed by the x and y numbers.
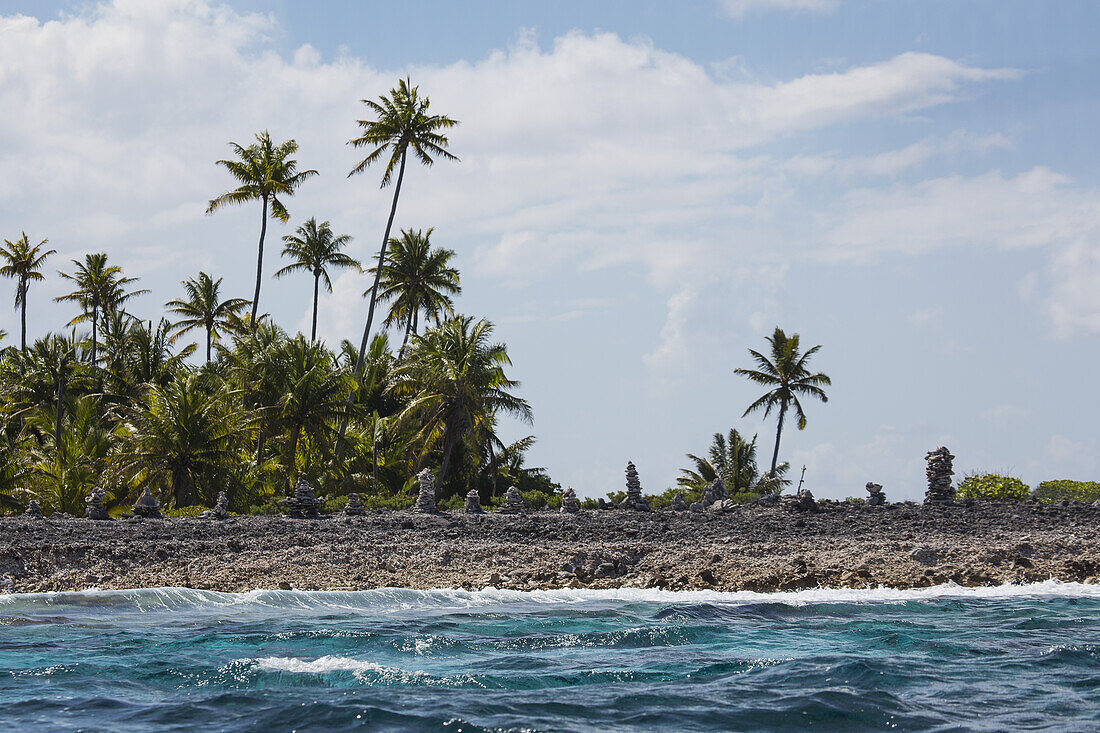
pixel 937 659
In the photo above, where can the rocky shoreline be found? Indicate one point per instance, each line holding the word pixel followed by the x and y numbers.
pixel 758 548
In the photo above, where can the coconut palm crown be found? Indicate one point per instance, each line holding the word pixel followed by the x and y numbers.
pixel 314 248
pixel 268 173
pixel 23 262
pixel 100 289
pixel 785 371
pixel 418 278
pixel 204 308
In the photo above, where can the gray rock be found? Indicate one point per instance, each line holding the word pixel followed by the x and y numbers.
pixel 569 503
pixel 925 555
pixel 220 510
pixel 679 503
pixel 425 500
pixel 696 506
pixel 939 472
pixel 768 500
pixel 303 505
pixel 34 510
pixel 354 507
pixel 94 508
pixel 147 506
pixel 876 498
pixel 604 570
pixel 633 498
pixel 513 502
pixel 473 502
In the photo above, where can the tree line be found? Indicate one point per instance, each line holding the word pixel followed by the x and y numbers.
pixel 118 401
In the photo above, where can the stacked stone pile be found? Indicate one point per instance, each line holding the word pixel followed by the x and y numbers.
pixel 425 500
pixel 513 502
pixel 633 498
pixel 147 506
pixel 679 503
pixel 473 502
pixel 94 508
pixel 569 503
pixel 304 504
pixel 804 501
pixel 876 498
pixel 220 510
pixel 715 491
pixel 34 510
pixel 939 473
pixel 354 507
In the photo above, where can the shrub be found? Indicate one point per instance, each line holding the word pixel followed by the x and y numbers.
pixel 745 497
pixel 185 511
pixel 401 501
pixel 991 486
pixel 589 503
pixel 1049 491
pixel 854 500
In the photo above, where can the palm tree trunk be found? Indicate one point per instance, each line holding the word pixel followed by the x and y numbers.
pixel 259 264
pixel 95 332
pixel 23 326
pixel 208 338
pixel 778 433
pixel 316 285
pixel 58 413
pixel 370 309
pixel 404 341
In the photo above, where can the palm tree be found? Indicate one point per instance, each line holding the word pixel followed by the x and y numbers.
pixel 314 249
pixel 730 458
pixel 266 172
pixel 203 308
pixel 457 381
pixel 417 278
pixel 181 439
pixel 100 289
pixel 786 371
pixel 24 263
pixel 402 122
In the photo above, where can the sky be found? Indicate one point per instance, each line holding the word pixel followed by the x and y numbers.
pixel 645 191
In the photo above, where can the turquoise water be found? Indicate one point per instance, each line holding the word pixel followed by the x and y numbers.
pixel 944 659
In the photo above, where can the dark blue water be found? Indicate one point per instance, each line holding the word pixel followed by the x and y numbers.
pixel 175 659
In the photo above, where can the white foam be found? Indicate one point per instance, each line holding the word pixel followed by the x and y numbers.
pixel 322 665
pixel 396 600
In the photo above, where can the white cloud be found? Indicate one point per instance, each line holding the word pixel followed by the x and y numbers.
pixel 740 8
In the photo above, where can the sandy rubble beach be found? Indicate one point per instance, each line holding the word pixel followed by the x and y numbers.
pixel 750 548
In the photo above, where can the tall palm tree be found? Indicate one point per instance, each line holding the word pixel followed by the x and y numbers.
pixel 401 122
pixel 456 380
pixel 203 308
pixel 100 289
pixel 265 171
pixel 785 371
pixel 417 278
pixel 314 249
pixel 23 262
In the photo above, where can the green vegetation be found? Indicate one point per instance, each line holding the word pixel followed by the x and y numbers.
pixel 732 459
pixel 785 371
pixel 1049 491
pixel 991 486
pixel 124 406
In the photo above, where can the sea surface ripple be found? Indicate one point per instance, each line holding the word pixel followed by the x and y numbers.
pixel 936 659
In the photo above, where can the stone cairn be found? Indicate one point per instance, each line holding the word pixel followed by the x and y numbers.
pixel 425 500
pixel 147 506
pixel 939 473
pixel 473 502
pixel 679 503
pixel 633 498
pixel 715 491
pixel 34 510
pixel 876 498
pixel 220 510
pixel 95 508
pixel 513 502
pixel 569 503
pixel 303 504
pixel 354 507
pixel 804 501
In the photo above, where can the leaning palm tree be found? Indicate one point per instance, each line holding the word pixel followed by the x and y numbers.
pixel 417 279
pixel 402 122
pixel 24 263
pixel 455 379
pixel 203 308
pixel 785 371
pixel 266 172
pixel 100 289
pixel 314 249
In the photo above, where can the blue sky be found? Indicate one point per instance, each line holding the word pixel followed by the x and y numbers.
pixel 646 190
